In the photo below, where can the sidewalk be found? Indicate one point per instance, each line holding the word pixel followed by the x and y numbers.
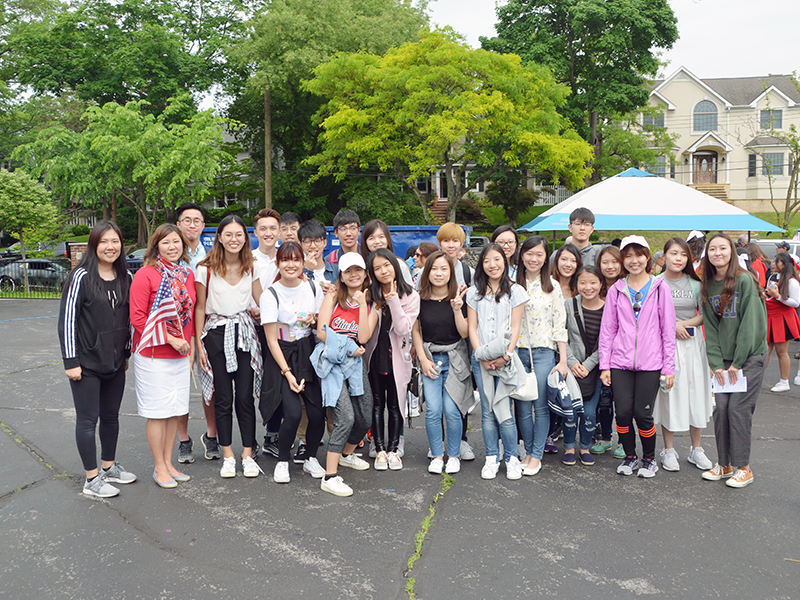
pixel 575 532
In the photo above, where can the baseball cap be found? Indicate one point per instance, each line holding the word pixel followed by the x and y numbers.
pixel 633 239
pixel 784 244
pixel 351 259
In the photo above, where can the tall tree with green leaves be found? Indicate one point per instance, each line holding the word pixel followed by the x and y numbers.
pixel 604 51
pixel 438 103
pixel 24 205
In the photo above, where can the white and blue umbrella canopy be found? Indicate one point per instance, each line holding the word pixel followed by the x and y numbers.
pixel 637 200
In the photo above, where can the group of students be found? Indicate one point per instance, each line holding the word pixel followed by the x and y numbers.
pixel 312 340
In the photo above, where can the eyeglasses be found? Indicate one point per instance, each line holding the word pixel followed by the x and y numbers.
pixel 188 221
pixel 348 228
pixel 581 224
pixel 637 297
pixel 507 244
pixel 320 242
pixel 229 236
pixel 417 254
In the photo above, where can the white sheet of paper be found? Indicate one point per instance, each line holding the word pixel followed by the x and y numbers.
pixel 730 388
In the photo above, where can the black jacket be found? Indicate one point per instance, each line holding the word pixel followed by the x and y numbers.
pixel 94 335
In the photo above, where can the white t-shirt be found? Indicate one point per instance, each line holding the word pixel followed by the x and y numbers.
pixel 293 300
pixel 225 299
pixel 319 277
pixel 267 269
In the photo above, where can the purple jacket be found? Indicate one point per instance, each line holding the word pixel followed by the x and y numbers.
pixel 648 345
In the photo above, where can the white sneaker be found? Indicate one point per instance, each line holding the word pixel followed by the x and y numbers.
pixel 250 467
pixel 336 486
pixel 797 379
pixel 699 459
pixel 401 447
pixel 381 461
pixel 490 468
pixel 466 451
pixel 669 460
pixel 281 472
pixel 313 468
pixel 436 466
pixel 453 465
pixel 781 386
pixel 228 468
pixel 395 464
pixel 372 452
pixel 354 462
pixel 513 468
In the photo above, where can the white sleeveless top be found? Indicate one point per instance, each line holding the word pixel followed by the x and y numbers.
pixel 225 299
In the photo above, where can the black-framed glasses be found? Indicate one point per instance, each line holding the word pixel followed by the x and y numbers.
pixel 637 298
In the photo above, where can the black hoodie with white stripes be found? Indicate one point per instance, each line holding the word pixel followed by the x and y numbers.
pixel 93 327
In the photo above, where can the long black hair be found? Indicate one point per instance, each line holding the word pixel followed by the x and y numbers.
pixel 482 279
pixel 572 249
pixel 505 229
pixel 375 286
pixel 89 263
pixel 544 273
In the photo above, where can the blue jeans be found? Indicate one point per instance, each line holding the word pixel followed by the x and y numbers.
pixel 534 434
pixel 587 420
pixel 492 430
pixel 438 401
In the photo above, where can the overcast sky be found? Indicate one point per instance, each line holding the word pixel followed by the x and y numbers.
pixel 718 38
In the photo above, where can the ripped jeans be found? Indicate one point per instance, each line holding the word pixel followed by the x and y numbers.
pixel 586 419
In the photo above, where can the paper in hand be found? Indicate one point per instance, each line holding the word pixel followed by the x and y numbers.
pixel 729 388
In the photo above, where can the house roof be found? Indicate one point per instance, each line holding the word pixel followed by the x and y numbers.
pixel 742 91
pixel 765 140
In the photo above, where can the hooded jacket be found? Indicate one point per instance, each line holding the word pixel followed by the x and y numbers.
pixel 643 344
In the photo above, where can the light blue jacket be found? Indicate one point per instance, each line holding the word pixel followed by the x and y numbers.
pixel 333 362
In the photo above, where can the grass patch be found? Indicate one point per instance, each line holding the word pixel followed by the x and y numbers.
pixel 447 483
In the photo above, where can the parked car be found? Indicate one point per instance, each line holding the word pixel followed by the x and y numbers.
pixel 136 260
pixel 478 242
pixel 42 273
pixel 770 246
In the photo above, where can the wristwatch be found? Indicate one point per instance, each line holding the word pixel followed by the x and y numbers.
pixel 285 371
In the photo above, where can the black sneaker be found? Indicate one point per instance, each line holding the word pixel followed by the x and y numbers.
pixel 301 455
pixel 185 452
pixel 211 447
pixel 271 445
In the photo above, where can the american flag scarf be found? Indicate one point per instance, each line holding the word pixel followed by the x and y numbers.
pixel 172 306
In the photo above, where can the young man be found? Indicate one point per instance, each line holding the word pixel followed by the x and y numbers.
pixel 190 221
pixel 290 223
pixel 581 226
pixel 346 227
pixel 451 238
pixel 313 237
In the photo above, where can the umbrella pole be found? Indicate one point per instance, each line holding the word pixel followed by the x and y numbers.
pixel 554 240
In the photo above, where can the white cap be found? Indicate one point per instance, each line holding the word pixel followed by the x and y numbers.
pixel 633 239
pixel 694 234
pixel 351 259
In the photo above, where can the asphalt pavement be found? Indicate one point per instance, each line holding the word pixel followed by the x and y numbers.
pixel 572 532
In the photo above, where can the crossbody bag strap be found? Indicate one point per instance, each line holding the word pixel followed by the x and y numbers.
pixel 580 327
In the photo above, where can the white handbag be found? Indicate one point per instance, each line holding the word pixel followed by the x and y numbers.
pixel 530 389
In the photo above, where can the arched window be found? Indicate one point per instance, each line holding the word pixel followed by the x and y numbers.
pixel 705 116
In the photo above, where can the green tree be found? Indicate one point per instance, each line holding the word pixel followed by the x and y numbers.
pixel 291 37
pixel 509 192
pixel 24 205
pixel 605 51
pixel 437 103
pixel 17 18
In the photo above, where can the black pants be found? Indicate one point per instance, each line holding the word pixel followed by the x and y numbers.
pixel 292 413
pixel 224 383
pixel 384 394
pixel 634 397
pixel 97 397
pixel 605 411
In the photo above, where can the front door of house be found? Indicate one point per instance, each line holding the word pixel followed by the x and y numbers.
pixel 705 167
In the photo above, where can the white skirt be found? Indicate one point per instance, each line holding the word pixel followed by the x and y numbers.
pixel 162 386
pixel 689 401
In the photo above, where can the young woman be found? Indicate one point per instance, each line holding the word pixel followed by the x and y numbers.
pixel 439 339
pixel 163 349
pixel 584 315
pixel 388 355
pixel 227 286
pixel 421 254
pixel 543 331
pixel 637 348
pixel 376 235
pixel 783 324
pixel 736 339
pixel 688 405
pixel 610 264
pixel 346 311
pixel 505 236
pixel 289 309
pixel 566 262
pixel 759 262
pixel 495 309
pixel 94 331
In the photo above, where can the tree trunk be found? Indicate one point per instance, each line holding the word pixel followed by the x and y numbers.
pixel 597 143
pixel 267 149
pixel 142 234
pixel 114 206
pixel 105 211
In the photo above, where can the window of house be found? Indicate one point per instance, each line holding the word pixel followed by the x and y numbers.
pixel 751 165
pixel 443 186
pixel 651 121
pixel 659 167
pixel 705 116
pixel 773 164
pixel 423 184
pixel 772 118
pixel 672 170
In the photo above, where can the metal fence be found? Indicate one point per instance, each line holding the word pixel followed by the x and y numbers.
pixel 33 277
pixel 550 195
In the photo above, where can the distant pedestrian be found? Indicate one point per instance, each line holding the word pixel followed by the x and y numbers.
pixel 783 324
pixel 94 331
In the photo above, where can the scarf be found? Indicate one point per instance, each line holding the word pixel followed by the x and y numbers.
pixel 176 275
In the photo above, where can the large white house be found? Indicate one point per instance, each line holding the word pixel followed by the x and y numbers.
pixel 724 145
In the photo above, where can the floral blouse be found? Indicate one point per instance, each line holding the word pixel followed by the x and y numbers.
pixel 544 323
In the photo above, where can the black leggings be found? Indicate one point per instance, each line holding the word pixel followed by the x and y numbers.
pixel 97 397
pixel 384 393
pixel 292 413
pixel 634 396
pixel 224 403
